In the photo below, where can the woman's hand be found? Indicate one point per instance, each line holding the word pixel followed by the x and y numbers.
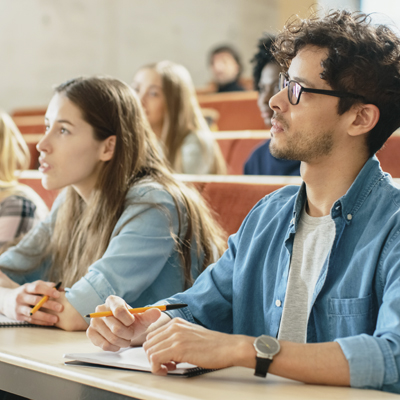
pixel 17 302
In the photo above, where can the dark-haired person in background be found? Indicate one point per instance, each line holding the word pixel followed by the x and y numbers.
pixel 226 67
pixel 309 287
pixel 266 78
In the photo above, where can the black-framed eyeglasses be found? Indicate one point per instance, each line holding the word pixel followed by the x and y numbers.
pixel 295 90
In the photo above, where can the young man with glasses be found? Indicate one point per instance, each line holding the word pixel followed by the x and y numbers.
pixel 309 287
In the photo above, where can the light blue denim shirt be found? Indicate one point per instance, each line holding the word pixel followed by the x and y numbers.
pixel 141 263
pixel 356 300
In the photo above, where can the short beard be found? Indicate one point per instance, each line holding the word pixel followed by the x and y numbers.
pixel 307 150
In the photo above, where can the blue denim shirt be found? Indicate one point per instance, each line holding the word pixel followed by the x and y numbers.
pixel 141 263
pixel 356 300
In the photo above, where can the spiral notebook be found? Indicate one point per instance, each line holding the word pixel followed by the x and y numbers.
pixel 133 358
pixel 12 323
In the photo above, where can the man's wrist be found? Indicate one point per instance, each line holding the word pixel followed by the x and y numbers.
pixel 245 352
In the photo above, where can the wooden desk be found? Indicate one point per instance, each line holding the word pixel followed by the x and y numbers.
pixel 31 365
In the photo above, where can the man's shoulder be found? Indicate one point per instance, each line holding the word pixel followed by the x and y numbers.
pixel 388 191
pixel 388 183
pixel 278 200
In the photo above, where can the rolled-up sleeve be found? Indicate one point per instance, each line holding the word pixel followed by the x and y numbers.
pixel 374 360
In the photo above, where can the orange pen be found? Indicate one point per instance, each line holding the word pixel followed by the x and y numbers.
pixel 164 307
pixel 43 300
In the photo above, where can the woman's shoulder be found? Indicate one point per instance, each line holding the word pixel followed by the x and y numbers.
pixel 24 196
pixel 17 203
pixel 149 191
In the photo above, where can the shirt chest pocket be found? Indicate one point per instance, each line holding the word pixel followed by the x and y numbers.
pixel 350 317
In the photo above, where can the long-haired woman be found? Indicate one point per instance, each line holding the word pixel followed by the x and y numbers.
pixel 123 225
pixel 169 100
pixel 20 206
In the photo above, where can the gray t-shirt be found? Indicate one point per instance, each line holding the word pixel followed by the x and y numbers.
pixel 312 243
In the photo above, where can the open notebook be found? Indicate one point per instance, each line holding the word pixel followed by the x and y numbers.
pixel 130 358
pixel 10 323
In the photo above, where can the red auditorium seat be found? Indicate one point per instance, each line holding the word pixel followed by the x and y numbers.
pixel 389 156
pixel 237 110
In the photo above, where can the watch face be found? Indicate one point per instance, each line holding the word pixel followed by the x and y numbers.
pixel 267 345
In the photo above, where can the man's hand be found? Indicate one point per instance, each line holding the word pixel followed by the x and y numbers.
pixel 17 303
pixel 181 341
pixel 123 329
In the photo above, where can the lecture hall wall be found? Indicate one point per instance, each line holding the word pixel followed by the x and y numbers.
pixel 44 42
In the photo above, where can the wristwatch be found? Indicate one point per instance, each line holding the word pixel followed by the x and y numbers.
pixel 266 347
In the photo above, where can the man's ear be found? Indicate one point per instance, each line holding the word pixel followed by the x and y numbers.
pixel 107 148
pixel 365 117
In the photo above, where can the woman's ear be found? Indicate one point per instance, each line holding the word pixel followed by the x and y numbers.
pixel 108 148
pixel 366 116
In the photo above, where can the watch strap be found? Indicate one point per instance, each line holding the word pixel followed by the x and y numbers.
pixel 262 365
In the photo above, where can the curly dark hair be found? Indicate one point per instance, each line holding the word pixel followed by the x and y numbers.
pixel 362 58
pixel 262 57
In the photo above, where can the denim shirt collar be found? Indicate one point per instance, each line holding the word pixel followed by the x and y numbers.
pixel 348 205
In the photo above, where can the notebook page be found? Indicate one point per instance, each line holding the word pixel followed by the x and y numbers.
pixel 5 321
pixel 130 358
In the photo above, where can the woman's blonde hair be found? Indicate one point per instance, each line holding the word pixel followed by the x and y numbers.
pixel 14 152
pixel 183 116
pixel 82 231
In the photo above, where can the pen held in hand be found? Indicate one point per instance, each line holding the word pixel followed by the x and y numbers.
pixel 43 300
pixel 164 307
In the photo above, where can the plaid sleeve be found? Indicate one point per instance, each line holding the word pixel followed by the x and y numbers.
pixel 17 216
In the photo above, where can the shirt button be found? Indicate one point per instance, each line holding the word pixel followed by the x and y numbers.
pixel 292 221
pixel 349 217
pixel 278 303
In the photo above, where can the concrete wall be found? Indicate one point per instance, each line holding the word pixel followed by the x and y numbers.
pixel 44 42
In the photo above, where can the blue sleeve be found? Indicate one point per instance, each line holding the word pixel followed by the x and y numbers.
pixel 138 253
pixel 374 361
pixel 210 298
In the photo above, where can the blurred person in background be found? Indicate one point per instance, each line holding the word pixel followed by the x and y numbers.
pixel 266 79
pixel 20 206
pixel 226 67
pixel 168 97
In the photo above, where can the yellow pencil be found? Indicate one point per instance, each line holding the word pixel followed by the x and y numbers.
pixel 164 307
pixel 43 300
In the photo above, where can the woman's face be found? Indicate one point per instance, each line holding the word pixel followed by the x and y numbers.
pixel 69 152
pixel 148 85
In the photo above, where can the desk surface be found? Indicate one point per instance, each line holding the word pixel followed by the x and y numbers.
pixel 31 364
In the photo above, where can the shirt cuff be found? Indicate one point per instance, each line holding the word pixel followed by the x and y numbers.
pixel 183 313
pixel 89 292
pixel 370 360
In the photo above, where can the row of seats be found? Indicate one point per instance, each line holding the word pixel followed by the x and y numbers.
pixel 230 197
pixel 228 111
